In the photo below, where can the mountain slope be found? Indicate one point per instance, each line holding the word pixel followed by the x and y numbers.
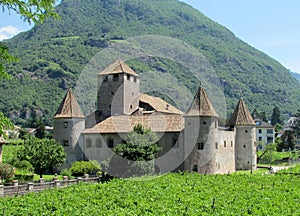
pixel 296 75
pixel 54 54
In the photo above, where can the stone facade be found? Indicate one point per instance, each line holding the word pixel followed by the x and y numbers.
pixel 192 141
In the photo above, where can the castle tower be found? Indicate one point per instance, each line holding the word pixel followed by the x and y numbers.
pixel 68 124
pixel 245 143
pixel 118 89
pixel 201 135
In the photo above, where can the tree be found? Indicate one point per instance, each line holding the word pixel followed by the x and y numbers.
pixel 259 115
pixel 40 130
pixel 296 124
pixel 43 154
pixel 5 124
pixel 7 171
pixel 288 141
pixel 29 11
pixel 137 154
pixel 276 116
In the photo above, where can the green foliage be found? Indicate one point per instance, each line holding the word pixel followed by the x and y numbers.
pixel 40 130
pixel 5 124
pixel 276 116
pixel 7 171
pixel 172 194
pixel 79 168
pixel 9 152
pixel 42 154
pixel 66 172
pixel 137 154
pixel 288 141
pixel 53 55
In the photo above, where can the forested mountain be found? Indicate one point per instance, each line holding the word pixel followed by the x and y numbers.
pixel 53 54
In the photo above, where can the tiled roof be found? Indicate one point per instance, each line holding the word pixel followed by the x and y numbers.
pixel 118 66
pixel 125 124
pixel 241 115
pixel 159 104
pixel 261 124
pixel 201 105
pixel 69 107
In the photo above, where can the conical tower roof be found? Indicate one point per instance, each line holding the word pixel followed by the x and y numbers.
pixel 201 105
pixel 69 107
pixel 118 66
pixel 241 115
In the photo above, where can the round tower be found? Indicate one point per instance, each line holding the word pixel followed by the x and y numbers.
pixel 245 141
pixel 201 135
pixel 69 122
pixel 118 88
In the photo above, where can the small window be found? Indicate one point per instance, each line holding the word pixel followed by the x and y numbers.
pixel 110 143
pixel 128 77
pixel 246 131
pixel 200 146
pixel 134 79
pixel 231 143
pixel 204 123
pixel 216 124
pixel 115 77
pixel 195 168
pixel 88 142
pixel 270 131
pixel 98 143
pixel 112 93
pixel 245 146
pixel 66 124
pixel 224 144
pixel 216 145
pixel 66 142
pixel 260 131
pixel 259 138
pixel 105 79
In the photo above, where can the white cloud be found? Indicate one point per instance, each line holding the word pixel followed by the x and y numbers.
pixel 8 32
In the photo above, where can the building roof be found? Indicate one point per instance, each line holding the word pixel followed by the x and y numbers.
pixel 201 105
pixel 261 124
pixel 159 104
pixel 118 66
pixel 241 115
pixel 125 124
pixel 69 107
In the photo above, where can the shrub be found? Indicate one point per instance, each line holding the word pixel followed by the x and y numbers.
pixel 66 172
pixel 7 171
pixel 79 168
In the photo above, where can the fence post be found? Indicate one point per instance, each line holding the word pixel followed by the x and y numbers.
pixel 86 177
pixel 57 183
pixel 79 179
pixel 1 190
pixel 30 186
pixel 15 183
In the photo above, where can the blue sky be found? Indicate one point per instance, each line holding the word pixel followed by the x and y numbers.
pixel 272 26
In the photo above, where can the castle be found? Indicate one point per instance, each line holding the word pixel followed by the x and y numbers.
pixel 191 141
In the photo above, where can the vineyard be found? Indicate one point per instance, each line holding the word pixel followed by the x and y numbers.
pixel 172 194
